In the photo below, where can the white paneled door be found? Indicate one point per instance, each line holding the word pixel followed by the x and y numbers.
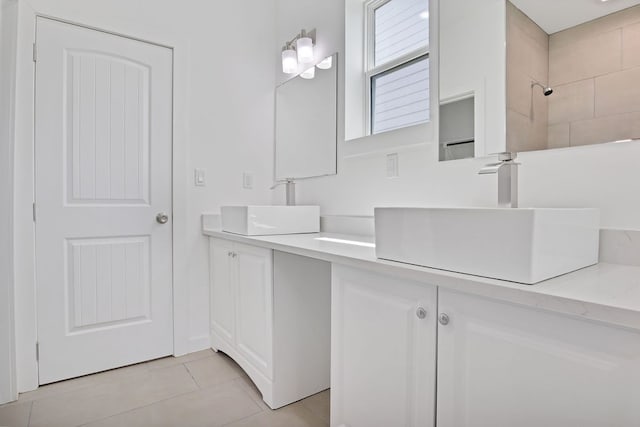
pixel 103 200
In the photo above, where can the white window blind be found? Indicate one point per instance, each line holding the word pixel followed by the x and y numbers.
pixel 398 74
pixel 401 96
pixel 400 27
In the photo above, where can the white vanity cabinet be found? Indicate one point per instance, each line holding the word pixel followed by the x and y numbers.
pixel 498 364
pixel 222 290
pixel 270 312
pixel 241 302
pixel 501 364
pixel 383 348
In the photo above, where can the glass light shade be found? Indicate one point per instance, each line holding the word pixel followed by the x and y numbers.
pixel 326 63
pixel 304 46
pixel 289 61
pixel 309 73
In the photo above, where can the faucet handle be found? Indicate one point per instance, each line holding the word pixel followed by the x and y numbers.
pixel 507 156
pixel 491 168
pixel 281 182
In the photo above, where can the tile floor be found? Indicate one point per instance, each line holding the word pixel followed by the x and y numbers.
pixel 199 389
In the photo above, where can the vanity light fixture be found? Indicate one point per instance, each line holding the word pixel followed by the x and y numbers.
pixel 309 73
pixel 289 60
pixel 326 63
pixel 304 46
pixel 298 51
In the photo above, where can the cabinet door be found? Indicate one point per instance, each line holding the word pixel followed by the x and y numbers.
pixel 506 365
pixel 382 351
pixel 254 306
pixel 222 277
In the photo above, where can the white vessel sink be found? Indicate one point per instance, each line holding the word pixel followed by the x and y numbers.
pixel 268 220
pixel 520 245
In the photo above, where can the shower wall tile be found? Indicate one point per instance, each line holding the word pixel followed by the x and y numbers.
pixel 605 129
pixel 594 69
pixel 631 46
pixel 527 61
pixel 618 93
pixel 572 101
pixel 559 135
pixel 584 56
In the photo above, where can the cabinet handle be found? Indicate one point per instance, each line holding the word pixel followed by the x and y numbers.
pixel 421 313
pixel 443 318
pixel 233 254
pixel 229 253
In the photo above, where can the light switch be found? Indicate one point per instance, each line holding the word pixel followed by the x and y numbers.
pixel 199 177
pixel 247 180
pixel 392 165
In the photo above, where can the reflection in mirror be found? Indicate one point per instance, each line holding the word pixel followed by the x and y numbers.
pixel 573 73
pixel 306 123
pixel 457 134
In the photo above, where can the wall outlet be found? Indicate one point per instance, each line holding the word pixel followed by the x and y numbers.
pixel 199 177
pixel 392 165
pixel 247 180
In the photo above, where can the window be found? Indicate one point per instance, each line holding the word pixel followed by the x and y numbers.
pixel 397 64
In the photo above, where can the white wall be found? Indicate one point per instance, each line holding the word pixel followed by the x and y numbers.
pixel 224 66
pixel 8 39
pixel 603 176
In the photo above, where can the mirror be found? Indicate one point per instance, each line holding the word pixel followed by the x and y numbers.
pixel 542 74
pixel 306 123
pixel 573 73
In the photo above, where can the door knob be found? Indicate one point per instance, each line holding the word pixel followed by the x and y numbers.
pixel 443 319
pixel 162 218
pixel 421 313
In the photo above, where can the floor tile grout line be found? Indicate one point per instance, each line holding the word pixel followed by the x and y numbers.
pixel 272 411
pixel 220 384
pixel 246 392
pixel 209 354
pixel 100 383
pixel 237 382
pixel 313 414
pixel 204 387
pixel 30 412
pixel 192 377
pixel 57 393
pixel 137 407
pixel 88 385
pixel 176 396
pixel 261 411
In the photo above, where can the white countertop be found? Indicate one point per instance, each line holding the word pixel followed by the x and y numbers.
pixel 603 292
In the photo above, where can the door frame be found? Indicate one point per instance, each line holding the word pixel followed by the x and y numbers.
pixel 24 230
pixel 8 40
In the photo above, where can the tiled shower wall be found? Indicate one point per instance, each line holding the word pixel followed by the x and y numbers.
pixel 527 61
pixel 595 71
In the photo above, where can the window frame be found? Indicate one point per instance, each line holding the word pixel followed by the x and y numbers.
pixel 370 68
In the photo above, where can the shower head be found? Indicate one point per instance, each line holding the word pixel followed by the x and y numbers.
pixel 546 90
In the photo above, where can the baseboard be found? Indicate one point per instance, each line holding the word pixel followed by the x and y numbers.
pixel 199 343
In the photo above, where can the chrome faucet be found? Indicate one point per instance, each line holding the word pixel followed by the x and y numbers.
pixel 507 170
pixel 290 190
